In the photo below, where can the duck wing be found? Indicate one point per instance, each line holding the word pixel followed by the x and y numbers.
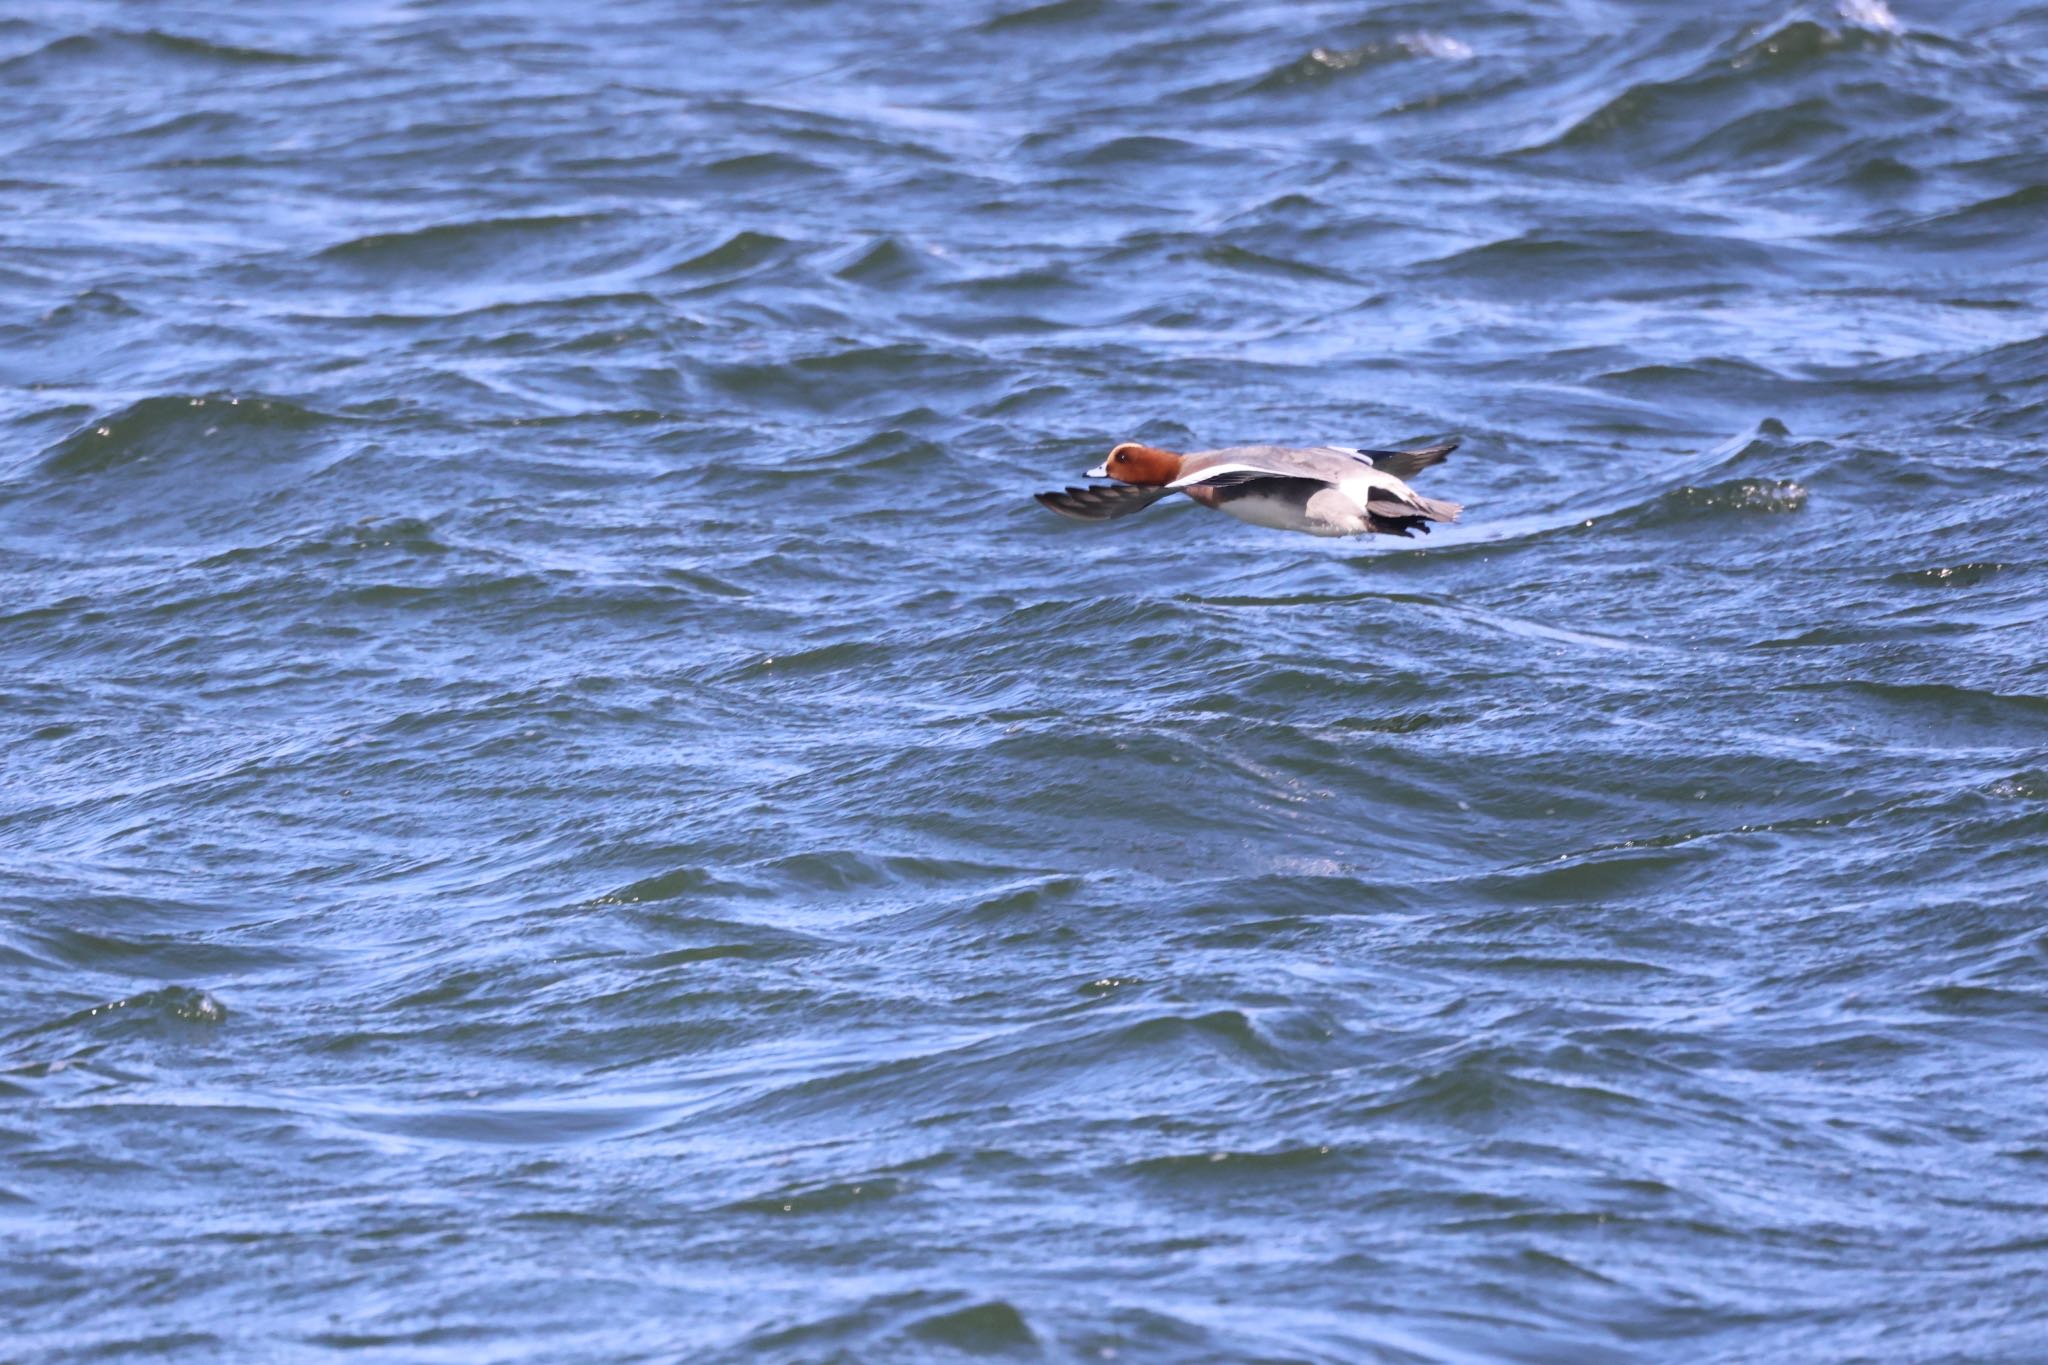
pixel 1327 464
pixel 1406 464
pixel 1243 464
pixel 1283 471
pixel 1101 502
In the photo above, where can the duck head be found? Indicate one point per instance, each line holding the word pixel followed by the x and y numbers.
pixel 1134 463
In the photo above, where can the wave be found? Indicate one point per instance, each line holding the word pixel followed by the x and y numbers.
pixel 163 1011
pixel 1967 575
pixel 1146 149
pixel 61 55
pixel 381 247
pixel 1803 95
pixel 743 253
pixel 2003 228
pixel 767 167
pixel 1734 496
pixel 904 1324
pixel 856 378
pixel 1704 487
pixel 1322 65
pixel 177 427
pixel 884 263
pixel 1611 262
pixel 1052 13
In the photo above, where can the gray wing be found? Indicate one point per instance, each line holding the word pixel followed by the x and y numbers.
pixel 1236 464
pixel 1406 464
pixel 1330 464
pixel 1102 502
pixel 1231 487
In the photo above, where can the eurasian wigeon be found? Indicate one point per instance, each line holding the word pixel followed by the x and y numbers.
pixel 1323 490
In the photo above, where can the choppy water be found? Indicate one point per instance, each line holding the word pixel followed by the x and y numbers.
pixel 560 800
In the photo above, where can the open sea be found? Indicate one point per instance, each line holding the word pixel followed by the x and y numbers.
pixel 559 801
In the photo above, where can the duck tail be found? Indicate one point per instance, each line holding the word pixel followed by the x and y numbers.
pixel 1413 504
pixel 1434 509
pixel 1409 515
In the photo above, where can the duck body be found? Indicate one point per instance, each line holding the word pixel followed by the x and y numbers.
pixel 1317 490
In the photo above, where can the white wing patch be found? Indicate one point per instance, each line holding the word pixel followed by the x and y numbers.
pixel 1220 470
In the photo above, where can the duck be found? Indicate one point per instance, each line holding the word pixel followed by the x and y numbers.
pixel 1318 490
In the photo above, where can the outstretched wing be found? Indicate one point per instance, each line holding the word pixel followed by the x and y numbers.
pixel 1251 469
pixel 1228 488
pixel 1102 502
pixel 1248 479
pixel 1330 464
pixel 1405 464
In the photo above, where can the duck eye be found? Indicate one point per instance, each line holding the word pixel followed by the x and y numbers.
pixel 1121 458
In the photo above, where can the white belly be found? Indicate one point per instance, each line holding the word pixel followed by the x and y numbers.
pixel 1328 513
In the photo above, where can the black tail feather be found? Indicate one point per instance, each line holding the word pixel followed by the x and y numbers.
pixel 1397 526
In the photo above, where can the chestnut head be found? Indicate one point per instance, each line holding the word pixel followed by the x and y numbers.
pixel 1140 464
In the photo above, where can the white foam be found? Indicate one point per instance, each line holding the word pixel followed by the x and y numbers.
pixel 1874 15
pixel 1437 45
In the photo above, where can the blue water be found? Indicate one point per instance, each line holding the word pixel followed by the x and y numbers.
pixel 562 802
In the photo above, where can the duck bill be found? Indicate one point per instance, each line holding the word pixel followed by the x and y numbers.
pixel 1100 471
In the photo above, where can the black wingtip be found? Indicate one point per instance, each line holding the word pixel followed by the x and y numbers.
pixel 1101 502
pixel 1070 502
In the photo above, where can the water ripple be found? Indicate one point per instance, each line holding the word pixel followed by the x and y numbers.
pixel 563 799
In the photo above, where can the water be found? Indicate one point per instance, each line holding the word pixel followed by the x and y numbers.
pixel 562 802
